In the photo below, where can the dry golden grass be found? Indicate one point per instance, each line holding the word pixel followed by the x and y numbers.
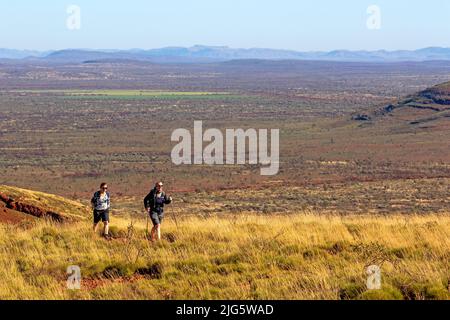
pixel 300 256
pixel 64 206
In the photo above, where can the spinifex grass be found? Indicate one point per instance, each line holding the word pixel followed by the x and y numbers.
pixel 300 256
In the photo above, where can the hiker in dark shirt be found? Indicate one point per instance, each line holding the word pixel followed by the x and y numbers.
pixel 154 206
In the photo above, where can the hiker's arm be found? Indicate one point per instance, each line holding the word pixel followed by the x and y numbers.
pixel 93 201
pixel 167 200
pixel 146 202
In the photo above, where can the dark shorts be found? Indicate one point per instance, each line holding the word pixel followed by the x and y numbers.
pixel 156 217
pixel 102 215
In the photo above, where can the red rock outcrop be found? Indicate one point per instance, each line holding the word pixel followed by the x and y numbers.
pixel 30 209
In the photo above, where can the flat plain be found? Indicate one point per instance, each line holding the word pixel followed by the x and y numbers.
pixel 364 175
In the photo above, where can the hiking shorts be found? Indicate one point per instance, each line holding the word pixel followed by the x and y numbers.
pixel 102 215
pixel 156 217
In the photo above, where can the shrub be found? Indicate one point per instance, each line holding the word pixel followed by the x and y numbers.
pixel 23 265
pixel 49 235
pixel 421 291
pixel 336 247
pixel 228 258
pixel 287 263
pixel 290 249
pixel 118 269
pixel 436 292
pixel 399 253
pixel 153 270
pixel 386 293
pixel 351 291
pixel 170 237
pixel 312 253
pixel 225 269
pixel 193 266
pixel 117 233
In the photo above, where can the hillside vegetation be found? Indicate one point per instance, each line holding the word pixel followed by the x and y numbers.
pixel 429 107
pixel 299 256
pixel 64 207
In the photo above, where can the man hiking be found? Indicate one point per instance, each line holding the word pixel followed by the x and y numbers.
pixel 101 203
pixel 154 206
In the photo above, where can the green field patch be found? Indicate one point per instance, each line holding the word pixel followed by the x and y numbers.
pixel 139 95
pixel 150 93
pixel 122 92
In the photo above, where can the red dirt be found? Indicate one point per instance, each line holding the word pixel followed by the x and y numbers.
pixel 12 216
pixel 29 209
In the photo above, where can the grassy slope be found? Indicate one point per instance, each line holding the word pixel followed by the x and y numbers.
pixel 442 88
pixel 65 207
pixel 300 256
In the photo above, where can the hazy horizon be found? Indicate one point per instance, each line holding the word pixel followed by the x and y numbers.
pixel 215 46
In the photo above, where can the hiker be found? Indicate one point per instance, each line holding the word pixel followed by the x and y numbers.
pixel 154 206
pixel 101 203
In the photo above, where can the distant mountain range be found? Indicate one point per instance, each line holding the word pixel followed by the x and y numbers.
pixel 21 54
pixel 218 54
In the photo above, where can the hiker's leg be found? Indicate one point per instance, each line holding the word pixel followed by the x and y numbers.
pixel 96 220
pixel 105 220
pixel 158 227
pixel 105 228
pixel 152 234
pixel 155 222
pixel 158 231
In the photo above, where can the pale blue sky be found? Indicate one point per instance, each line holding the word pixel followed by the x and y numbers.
pixel 284 24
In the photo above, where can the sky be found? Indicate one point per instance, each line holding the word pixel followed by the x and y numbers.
pixel 319 25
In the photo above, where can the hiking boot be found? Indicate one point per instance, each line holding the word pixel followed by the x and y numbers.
pixel 107 236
